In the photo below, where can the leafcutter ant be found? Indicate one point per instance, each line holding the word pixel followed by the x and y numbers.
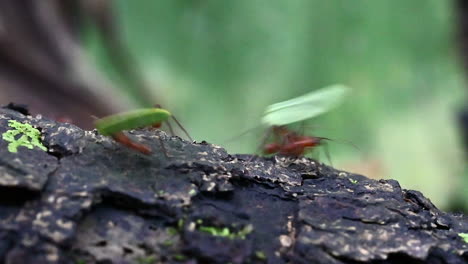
pixel 115 125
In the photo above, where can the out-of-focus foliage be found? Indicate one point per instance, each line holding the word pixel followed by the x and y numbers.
pixel 217 64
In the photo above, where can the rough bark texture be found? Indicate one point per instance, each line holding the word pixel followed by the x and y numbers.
pixel 91 200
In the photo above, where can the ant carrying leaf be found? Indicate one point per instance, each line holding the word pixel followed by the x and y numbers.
pixel 115 125
pixel 287 142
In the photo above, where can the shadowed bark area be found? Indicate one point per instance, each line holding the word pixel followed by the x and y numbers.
pixel 90 200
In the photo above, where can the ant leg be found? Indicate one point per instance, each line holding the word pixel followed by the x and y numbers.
pixel 265 137
pixel 163 148
pixel 178 124
pixel 327 153
pixel 125 140
pixel 170 128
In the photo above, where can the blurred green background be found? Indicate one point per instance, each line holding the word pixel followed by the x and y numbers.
pixel 217 64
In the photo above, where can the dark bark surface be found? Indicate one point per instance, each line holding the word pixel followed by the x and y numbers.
pixel 90 200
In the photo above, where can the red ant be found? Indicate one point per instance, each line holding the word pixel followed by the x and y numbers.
pixel 123 139
pixel 290 143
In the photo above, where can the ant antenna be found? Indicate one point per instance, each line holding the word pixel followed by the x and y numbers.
pixel 242 134
pixel 342 141
pixel 178 124
pixel 182 128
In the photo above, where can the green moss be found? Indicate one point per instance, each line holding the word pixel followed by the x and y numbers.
pixel 146 260
pixel 168 243
pixel 172 231
pixel 29 136
pixel 226 232
pixel 464 236
pixel 180 224
pixel 180 257
pixel 216 231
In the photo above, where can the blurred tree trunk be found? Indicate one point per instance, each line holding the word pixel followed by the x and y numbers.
pixel 462 10
pixel 43 65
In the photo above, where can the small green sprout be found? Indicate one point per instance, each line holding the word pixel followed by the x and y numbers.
pixel 464 236
pixel 192 192
pixel 30 136
pixel 260 255
pixel 353 181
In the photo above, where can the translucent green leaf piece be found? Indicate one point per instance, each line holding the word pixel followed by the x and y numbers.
pixel 306 106
pixel 464 236
pixel 29 136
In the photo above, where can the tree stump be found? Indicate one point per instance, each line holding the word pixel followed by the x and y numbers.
pixel 89 199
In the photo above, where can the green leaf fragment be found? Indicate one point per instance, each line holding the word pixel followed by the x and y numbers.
pixel 464 236
pixel 29 136
pixel 260 255
pixel 353 181
pixel 305 107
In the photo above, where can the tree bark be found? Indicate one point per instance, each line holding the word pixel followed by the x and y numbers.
pixel 89 199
